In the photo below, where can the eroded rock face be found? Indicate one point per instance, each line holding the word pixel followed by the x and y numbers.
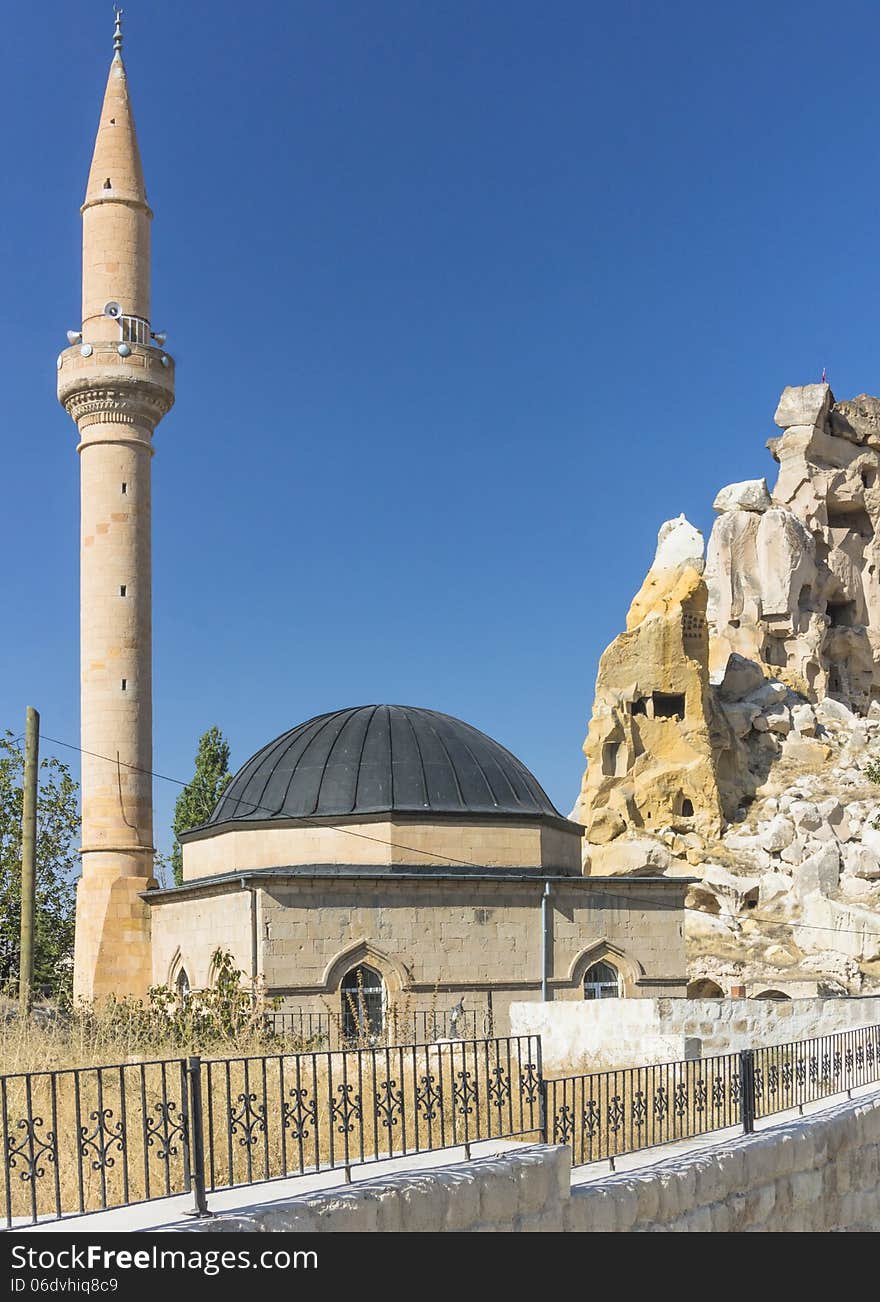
pixel 736 717
pixel 649 748
pixel 796 587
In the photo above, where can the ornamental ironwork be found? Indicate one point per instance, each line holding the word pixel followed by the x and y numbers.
pixel 429 1099
pixel 103 1140
pixel 32 1149
pixel 248 1120
pixel 498 1088
pixel 389 1103
pixel 299 1115
pixel 161 1131
pixel 345 1110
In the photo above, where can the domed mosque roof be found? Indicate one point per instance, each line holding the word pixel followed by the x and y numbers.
pixel 382 759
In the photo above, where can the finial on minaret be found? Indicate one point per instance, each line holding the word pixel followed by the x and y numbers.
pixel 117 35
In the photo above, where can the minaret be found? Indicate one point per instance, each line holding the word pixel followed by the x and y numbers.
pixel 117 382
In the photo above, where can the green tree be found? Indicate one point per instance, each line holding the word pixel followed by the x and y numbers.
pixel 57 859
pixel 198 798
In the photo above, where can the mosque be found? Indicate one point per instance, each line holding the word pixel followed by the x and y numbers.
pixel 387 847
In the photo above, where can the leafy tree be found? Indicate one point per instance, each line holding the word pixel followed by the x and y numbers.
pixel 57 859
pixel 198 798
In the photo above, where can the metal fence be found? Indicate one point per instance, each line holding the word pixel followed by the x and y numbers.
pixel 327 1030
pixel 607 1114
pixel 89 1139
pixel 84 1139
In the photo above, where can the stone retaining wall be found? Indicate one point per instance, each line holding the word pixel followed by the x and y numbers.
pixel 816 1173
pixel 601 1034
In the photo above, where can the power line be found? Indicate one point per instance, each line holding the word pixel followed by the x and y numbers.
pixel 466 863
pixel 264 809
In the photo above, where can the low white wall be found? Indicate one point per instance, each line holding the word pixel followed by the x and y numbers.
pixel 600 1034
pixel 818 1173
pixel 526 1190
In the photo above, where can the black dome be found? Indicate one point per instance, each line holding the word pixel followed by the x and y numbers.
pixel 381 759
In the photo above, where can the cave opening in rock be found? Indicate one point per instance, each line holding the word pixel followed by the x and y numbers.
pixel 668 705
pixel 841 614
pixel 855 520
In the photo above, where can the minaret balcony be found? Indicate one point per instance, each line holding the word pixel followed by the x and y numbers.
pixel 116 381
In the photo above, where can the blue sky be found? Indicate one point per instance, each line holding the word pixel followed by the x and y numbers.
pixel 466 299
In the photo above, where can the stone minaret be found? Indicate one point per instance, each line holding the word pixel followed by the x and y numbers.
pixel 117 382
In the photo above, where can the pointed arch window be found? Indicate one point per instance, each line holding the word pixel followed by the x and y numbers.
pixel 602 981
pixel 363 1004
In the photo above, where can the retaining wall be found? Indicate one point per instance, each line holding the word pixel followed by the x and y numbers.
pixel 600 1034
pixel 817 1173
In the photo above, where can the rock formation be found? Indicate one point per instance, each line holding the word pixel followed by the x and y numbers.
pixel 792 577
pixel 736 716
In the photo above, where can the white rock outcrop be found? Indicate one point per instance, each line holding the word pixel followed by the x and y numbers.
pixel 786 688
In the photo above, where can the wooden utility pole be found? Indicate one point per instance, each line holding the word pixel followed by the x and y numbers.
pixel 28 858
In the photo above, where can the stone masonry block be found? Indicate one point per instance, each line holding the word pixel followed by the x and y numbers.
pixel 550 1221
pixel 600 1214
pixel 424 1203
pixel 463 1206
pixel 349 1213
pixel 498 1193
pixel 388 1204
pixel 758 1205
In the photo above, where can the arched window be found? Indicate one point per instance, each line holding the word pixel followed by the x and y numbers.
pixel 704 989
pixel 602 981
pixel 771 994
pixel 363 1003
pixel 181 984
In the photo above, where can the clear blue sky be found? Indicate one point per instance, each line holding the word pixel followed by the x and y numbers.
pixel 466 299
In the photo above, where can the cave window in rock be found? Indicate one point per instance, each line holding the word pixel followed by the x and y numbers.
pixel 854 521
pixel 685 807
pixel 704 989
pixel 602 981
pixel 805 600
pixel 640 706
pixel 609 758
pixel 775 652
pixel 668 705
pixel 841 614
pixel 868 477
pixel 363 1004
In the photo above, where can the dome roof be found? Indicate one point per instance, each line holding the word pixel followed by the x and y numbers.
pixel 381 759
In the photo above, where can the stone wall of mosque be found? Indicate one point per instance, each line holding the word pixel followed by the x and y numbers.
pixel 432 941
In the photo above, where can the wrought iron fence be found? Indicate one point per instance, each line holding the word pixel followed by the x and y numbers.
pixel 607 1114
pixel 84 1139
pixel 326 1030
pixel 805 1071
pixel 271 1117
pixel 88 1139
pixel 91 1138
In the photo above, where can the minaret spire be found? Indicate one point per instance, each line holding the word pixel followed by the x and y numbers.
pixel 116 382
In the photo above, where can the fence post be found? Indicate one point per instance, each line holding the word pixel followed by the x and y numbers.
pixel 747 1090
pixel 542 1093
pixel 197 1139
